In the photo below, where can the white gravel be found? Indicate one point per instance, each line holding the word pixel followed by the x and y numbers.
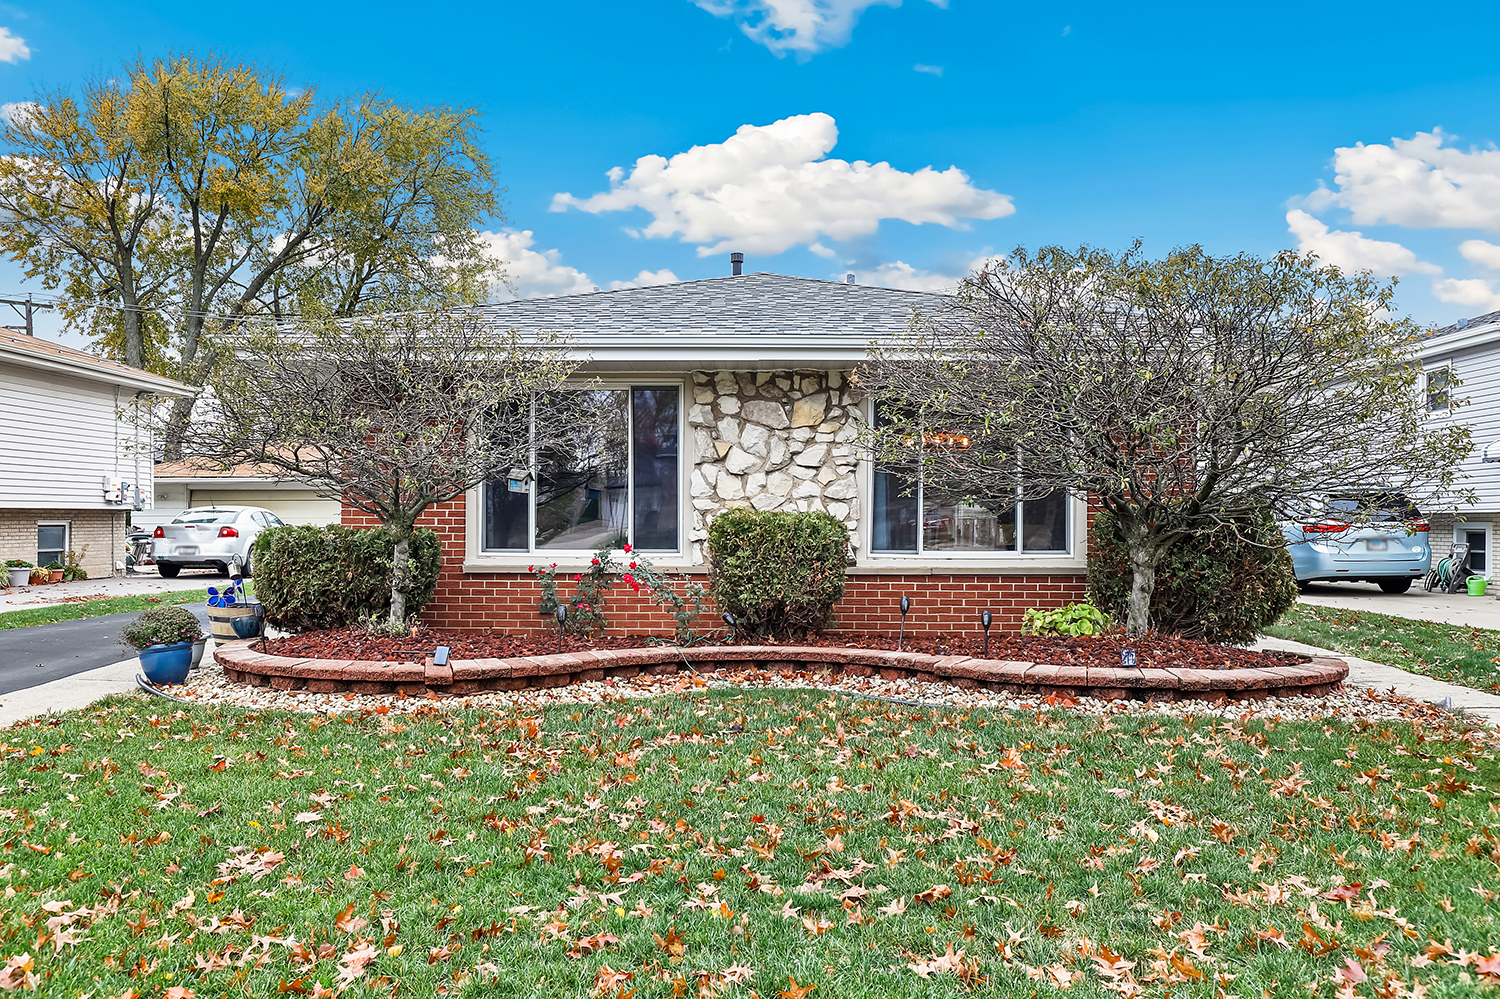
pixel 209 685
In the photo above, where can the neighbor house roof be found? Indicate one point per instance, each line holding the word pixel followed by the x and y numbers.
pixel 765 319
pixel 1474 332
pixel 33 352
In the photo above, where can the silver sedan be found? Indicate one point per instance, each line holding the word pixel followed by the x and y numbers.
pixel 210 537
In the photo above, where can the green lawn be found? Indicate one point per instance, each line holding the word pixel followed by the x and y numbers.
pixel 1449 652
pixel 726 843
pixel 96 608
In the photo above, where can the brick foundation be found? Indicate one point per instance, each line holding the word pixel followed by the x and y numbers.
pixel 940 604
pixel 103 531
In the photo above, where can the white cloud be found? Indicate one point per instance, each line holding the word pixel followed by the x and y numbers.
pixel 1418 182
pixel 768 188
pixel 646 279
pixel 17 113
pixel 930 70
pixel 802 27
pixel 1351 251
pixel 532 273
pixel 1484 254
pixel 1472 291
pixel 12 47
pixel 900 274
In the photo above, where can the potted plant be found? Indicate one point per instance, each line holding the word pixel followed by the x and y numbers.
pixel 233 615
pixel 18 572
pixel 55 571
pixel 39 576
pixel 165 637
pixel 73 566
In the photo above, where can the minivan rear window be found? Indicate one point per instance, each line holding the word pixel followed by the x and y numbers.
pixel 1377 507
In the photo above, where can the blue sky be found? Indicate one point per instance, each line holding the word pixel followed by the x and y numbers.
pixel 1368 136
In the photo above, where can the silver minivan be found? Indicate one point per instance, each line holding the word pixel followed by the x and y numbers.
pixel 210 537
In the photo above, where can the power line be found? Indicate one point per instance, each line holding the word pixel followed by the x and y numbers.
pixel 18 305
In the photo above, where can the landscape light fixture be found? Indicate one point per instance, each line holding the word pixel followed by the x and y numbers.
pixel 562 617
pixel 985 618
pixel 733 625
pixel 1127 657
pixel 901 636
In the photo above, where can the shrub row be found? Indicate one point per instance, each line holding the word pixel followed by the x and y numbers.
pixel 332 577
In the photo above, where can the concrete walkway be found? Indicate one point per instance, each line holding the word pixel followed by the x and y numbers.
pixel 147 584
pixel 1363 673
pixel 1416 603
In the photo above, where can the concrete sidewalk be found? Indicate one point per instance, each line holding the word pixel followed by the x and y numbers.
pixel 1363 673
pixel 1415 604
pixel 71 692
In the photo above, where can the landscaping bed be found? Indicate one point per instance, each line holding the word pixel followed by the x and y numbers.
pixel 1158 651
pixel 408 667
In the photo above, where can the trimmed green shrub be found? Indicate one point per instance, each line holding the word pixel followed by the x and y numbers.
pixel 311 578
pixel 777 573
pixel 1219 586
pixel 162 626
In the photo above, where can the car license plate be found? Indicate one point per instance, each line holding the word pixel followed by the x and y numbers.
pixel 192 550
pixel 1376 546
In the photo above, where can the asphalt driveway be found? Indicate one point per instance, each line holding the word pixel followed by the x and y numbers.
pixel 29 656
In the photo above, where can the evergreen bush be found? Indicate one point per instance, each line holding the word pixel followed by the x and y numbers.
pixel 1224 586
pixel 311 578
pixel 777 573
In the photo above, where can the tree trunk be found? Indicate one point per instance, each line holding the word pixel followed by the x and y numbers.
pixel 400 571
pixel 1143 557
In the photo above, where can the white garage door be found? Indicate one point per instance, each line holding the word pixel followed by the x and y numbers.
pixel 295 506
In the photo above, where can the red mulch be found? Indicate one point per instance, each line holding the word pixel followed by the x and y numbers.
pixel 1102 650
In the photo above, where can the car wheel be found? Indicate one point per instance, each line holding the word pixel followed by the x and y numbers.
pixel 168 570
pixel 1302 586
pixel 1400 585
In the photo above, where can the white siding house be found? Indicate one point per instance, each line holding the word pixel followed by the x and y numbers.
pixel 1461 378
pixel 181 485
pixel 73 458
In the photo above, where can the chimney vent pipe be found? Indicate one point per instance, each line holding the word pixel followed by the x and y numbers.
pixel 736 263
pixel 849 278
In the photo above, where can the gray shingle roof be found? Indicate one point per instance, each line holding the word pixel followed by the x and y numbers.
pixel 769 306
pixel 1473 322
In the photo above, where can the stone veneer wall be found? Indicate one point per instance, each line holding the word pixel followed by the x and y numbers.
pixel 773 440
pixel 103 531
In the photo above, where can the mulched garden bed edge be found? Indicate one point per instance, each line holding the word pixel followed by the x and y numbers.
pixel 468 676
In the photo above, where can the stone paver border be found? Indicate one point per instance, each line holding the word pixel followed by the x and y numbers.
pixel 472 676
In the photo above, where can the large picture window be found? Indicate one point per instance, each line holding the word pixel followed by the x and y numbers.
pixel 614 480
pixel 912 517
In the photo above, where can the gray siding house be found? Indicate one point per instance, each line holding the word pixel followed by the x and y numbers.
pixel 1461 381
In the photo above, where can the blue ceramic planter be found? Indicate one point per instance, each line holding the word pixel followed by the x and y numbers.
pixel 252 624
pixel 164 664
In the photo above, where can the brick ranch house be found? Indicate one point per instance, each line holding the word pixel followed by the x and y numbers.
pixel 734 392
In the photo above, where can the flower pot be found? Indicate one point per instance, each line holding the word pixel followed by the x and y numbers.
pixel 165 664
pixel 18 576
pixel 198 647
pixel 55 575
pixel 237 621
pixel 38 577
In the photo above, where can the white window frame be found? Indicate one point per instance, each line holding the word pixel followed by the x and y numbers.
pixel 67 527
pixel 1016 561
pixel 476 558
pixel 1447 368
pixel 1461 528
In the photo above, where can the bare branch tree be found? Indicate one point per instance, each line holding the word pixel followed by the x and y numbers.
pixel 390 414
pixel 1179 394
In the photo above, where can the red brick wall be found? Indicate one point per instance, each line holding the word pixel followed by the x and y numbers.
pixel 509 601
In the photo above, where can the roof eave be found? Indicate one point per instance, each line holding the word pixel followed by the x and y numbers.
pixel 128 378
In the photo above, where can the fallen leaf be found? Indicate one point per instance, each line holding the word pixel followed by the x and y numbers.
pixel 795 991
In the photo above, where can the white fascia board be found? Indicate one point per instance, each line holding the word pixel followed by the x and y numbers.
pixel 142 381
pixel 1454 342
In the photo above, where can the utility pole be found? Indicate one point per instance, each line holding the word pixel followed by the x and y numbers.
pixel 25 307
